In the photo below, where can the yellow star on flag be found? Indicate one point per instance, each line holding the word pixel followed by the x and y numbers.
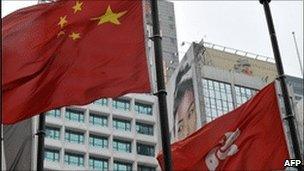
pixel 109 16
pixel 74 36
pixel 77 7
pixel 62 21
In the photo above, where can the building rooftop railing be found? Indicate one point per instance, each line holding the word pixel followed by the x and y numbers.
pixel 238 52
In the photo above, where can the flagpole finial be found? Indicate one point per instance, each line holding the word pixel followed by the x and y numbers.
pixel 262 1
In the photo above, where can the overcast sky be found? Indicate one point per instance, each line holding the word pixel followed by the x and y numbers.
pixel 242 25
pixel 239 25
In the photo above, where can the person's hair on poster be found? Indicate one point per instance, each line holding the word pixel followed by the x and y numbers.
pixel 184 104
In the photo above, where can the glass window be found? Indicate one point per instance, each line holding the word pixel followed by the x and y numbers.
pixel 51 155
pixel 121 104
pixel 122 146
pixel 74 115
pixel 101 102
pixel 243 94
pixel 98 141
pixel 120 124
pixel 121 166
pixel 74 159
pixel 74 137
pixel 98 120
pixel 54 113
pixel 98 164
pixel 145 168
pixel 147 150
pixel 142 128
pixel 217 98
pixel 141 108
pixel 53 133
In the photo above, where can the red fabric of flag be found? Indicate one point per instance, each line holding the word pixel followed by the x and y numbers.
pixel 71 53
pixel 249 138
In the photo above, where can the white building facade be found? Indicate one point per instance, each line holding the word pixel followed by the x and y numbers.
pixel 120 134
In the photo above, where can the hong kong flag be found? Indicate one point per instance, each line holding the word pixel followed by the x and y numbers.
pixel 248 138
pixel 71 53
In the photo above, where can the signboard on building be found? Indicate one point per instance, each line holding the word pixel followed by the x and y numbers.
pixel 240 64
pixel 183 99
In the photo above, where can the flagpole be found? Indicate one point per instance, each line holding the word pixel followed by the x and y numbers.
pixel 163 114
pixel 289 116
pixel 40 149
pixel 297 50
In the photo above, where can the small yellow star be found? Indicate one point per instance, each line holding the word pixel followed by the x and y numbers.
pixel 60 33
pixel 62 21
pixel 109 16
pixel 77 7
pixel 74 36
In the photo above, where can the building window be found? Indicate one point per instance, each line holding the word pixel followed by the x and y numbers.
pixel 98 164
pixel 121 166
pixel 54 113
pixel 53 133
pixel 101 102
pixel 120 124
pixel 74 137
pixel 145 168
pixel 145 129
pixel 243 94
pixel 98 120
pixel 98 141
pixel 141 108
pixel 122 146
pixel 74 159
pixel 74 115
pixel 51 155
pixel 217 97
pixel 147 150
pixel 121 104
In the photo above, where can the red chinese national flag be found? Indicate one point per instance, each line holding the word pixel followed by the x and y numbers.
pixel 248 138
pixel 71 53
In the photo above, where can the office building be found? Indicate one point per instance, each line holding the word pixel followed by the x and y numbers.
pixel 108 134
pixel 223 78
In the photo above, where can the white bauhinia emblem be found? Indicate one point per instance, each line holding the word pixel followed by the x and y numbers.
pixel 221 152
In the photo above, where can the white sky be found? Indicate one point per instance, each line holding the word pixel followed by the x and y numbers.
pixel 240 25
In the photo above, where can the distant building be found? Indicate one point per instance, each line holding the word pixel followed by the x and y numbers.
pixel 297 86
pixel 296 89
pixel 219 79
pixel 168 33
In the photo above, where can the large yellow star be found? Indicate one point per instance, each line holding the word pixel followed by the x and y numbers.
pixel 74 36
pixel 63 21
pixel 77 7
pixel 109 16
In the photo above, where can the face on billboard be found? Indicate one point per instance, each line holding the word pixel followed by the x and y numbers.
pixel 184 103
pixel 186 115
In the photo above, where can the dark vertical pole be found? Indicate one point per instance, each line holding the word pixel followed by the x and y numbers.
pixel 40 148
pixel 285 94
pixel 161 87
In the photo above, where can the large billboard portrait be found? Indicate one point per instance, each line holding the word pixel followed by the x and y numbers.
pixel 182 98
